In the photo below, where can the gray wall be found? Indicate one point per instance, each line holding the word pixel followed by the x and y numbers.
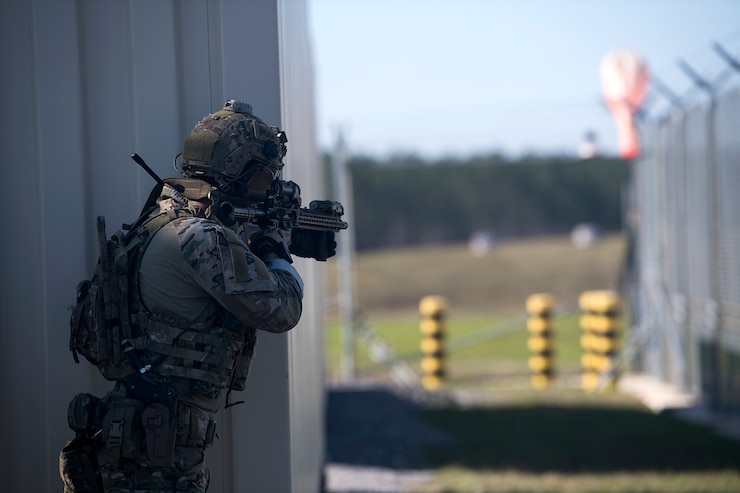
pixel 85 84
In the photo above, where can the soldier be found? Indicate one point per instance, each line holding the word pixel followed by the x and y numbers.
pixel 188 323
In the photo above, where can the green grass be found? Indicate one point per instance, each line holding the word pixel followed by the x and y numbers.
pixel 459 480
pixel 483 293
pixel 501 355
pixel 573 442
pixel 497 284
pixel 517 439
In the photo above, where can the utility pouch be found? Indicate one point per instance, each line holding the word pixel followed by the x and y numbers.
pixel 78 466
pixel 81 412
pixel 121 433
pixel 88 326
pixel 243 362
pixel 160 435
pixel 194 428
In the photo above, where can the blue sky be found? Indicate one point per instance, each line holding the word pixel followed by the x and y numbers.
pixel 465 77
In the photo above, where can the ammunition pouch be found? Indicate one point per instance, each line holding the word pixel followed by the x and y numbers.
pixel 157 418
pixel 195 428
pixel 78 466
pixel 122 430
pixel 240 372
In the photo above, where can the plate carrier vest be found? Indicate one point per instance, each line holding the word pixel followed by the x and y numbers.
pixel 113 330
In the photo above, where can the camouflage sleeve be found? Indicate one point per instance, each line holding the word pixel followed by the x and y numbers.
pixel 259 297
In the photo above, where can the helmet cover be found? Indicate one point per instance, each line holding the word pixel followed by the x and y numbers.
pixel 232 144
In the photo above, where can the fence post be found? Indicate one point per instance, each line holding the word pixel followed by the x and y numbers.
pixel 433 311
pixel 540 326
pixel 600 338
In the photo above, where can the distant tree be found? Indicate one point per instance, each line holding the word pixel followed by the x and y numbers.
pixel 407 200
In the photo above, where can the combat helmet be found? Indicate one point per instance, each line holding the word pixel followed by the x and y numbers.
pixel 234 149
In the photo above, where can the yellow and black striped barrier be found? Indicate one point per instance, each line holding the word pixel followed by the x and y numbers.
pixel 433 311
pixel 540 309
pixel 600 338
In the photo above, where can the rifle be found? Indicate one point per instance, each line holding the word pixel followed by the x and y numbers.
pixel 282 209
pixel 310 229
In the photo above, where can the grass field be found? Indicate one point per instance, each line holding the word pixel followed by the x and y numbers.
pixel 568 441
pixel 497 283
pixel 515 439
pixel 484 293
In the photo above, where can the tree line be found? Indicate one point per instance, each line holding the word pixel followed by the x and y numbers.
pixel 409 201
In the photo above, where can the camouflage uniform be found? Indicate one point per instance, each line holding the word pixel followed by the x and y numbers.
pixel 182 299
pixel 194 272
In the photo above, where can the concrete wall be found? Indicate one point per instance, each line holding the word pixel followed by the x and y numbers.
pixel 85 84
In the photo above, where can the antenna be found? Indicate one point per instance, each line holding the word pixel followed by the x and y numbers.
pixel 140 161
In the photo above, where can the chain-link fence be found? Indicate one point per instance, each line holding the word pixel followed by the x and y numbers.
pixel 685 224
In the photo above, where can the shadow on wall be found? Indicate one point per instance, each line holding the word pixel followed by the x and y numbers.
pixel 383 428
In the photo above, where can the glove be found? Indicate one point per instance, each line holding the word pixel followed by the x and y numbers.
pixel 268 243
pixel 310 243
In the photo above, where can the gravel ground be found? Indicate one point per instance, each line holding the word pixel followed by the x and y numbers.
pixel 375 439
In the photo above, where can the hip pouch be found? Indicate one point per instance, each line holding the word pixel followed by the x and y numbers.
pixel 82 413
pixel 78 466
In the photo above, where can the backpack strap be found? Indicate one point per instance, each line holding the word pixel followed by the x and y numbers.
pixel 128 261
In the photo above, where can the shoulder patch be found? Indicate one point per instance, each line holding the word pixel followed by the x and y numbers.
pixel 220 258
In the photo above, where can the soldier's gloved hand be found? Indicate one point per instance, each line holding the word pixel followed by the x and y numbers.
pixel 268 244
pixel 310 243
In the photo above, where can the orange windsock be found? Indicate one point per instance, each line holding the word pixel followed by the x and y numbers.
pixel 625 81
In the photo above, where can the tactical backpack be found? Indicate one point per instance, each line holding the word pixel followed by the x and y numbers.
pixel 100 321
